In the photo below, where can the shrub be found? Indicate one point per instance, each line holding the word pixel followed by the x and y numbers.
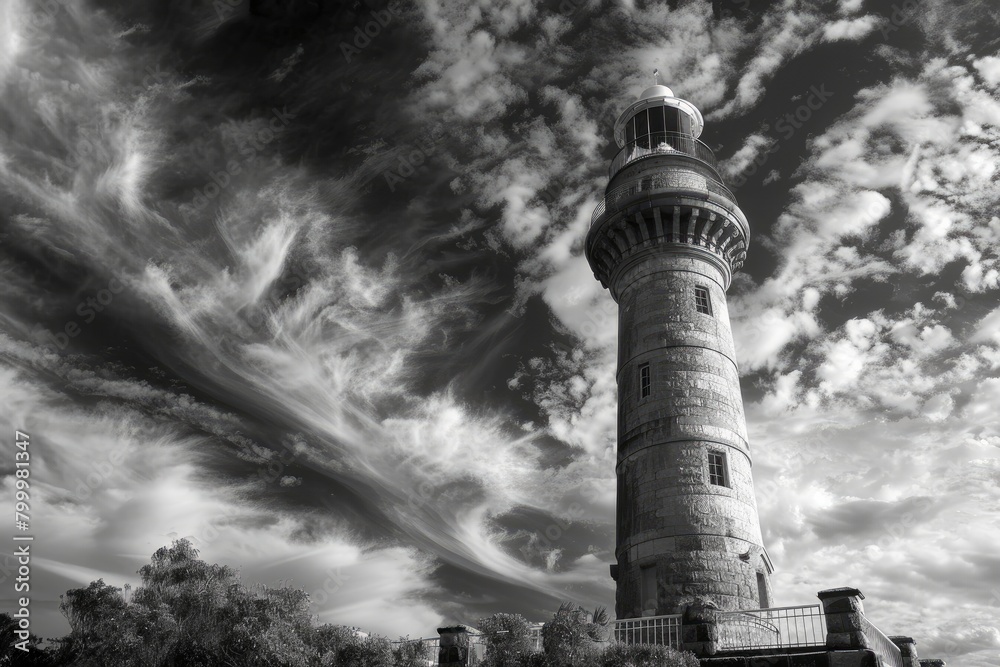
pixel 507 638
pixel 338 646
pixel 646 655
pixel 569 638
pixel 411 653
pixel 532 659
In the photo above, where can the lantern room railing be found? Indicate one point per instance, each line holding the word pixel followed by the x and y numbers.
pixel 659 143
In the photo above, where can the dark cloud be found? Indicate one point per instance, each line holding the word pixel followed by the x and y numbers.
pixel 873 519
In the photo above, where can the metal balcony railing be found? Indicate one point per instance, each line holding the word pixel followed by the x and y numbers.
pixel 774 627
pixel 884 648
pixel 660 143
pixel 665 180
pixel 665 630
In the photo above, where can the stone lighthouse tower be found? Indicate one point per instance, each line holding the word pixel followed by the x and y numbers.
pixel 665 241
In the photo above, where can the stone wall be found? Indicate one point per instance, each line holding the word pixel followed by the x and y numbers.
pixel 701 540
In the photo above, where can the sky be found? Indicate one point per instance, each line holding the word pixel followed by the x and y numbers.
pixel 304 284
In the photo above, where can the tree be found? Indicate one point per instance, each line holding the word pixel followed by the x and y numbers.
pixel 411 653
pixel 104 628
pixel 569 638
pixel 11 655
pixel 188 612
pixel 337 646
pixel 507 638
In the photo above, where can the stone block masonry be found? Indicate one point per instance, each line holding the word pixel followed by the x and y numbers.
pixel 686 535
pixel 666 242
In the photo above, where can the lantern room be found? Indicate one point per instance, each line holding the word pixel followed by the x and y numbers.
pixel 658 117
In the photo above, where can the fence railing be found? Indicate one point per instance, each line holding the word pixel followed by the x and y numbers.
pixel 884 647
pixel 665 180
pixel 664 630
pixel 660 143
pixel 774 627
pixel 748 629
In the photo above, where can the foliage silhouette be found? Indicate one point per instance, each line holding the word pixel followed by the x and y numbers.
pixel 507 637
pixel 189 613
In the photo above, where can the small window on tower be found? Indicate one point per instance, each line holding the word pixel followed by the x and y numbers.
pixel 644 381
pixel 717 473
pixel 702 301
pixel 648 583
pixel 763 599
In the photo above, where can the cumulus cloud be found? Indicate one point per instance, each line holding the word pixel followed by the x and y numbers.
pixel 988 68
pixel 988 328
pixel 848 29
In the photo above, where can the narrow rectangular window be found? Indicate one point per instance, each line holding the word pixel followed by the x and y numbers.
pixel 644 382
pixel 702 301
pixel 762 591
pixel 673 120
pixel 656 124
pixel 717 473
pixel 648 584
pixel 642 129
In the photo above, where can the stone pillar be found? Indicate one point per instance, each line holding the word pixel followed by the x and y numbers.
pixel 908 648
pixel 845 618
pixel 454 646
pixel 699 629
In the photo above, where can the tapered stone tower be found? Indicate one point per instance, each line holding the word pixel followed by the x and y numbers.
pixel 665 241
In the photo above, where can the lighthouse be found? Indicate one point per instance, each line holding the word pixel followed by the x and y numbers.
pixel 665 241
